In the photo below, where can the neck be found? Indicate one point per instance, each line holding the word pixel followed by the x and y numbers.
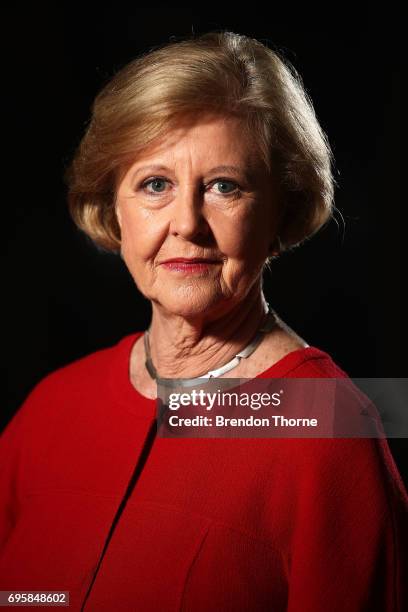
pixel 185 348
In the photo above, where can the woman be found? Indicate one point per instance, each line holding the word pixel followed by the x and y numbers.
pixel 202 162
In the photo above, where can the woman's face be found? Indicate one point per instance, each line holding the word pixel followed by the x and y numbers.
pixel 197 216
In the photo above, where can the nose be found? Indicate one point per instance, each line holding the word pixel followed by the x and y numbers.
pixel 188 216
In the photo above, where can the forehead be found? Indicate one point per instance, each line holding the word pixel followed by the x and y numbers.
pixel 209 140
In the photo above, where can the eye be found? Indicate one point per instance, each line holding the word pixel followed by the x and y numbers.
pixel 158 185
pixel 225 187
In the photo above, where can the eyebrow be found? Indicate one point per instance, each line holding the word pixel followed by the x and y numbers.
pixel 158 168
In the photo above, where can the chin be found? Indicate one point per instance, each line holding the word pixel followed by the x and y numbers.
pixel 190 301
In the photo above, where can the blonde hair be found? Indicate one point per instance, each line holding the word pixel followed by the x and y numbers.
pixel 219 72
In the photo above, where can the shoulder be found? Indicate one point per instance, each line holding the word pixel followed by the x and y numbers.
pixel 87 371
pixel 306 362
pixel 316 362
pixel 71 385
pixel 293 356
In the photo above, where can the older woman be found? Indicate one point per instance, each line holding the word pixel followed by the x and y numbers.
pixel 202 162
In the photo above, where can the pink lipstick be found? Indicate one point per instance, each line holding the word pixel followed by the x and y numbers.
pixel 194 265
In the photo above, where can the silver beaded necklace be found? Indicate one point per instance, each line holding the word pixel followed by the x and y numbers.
pixel 268 324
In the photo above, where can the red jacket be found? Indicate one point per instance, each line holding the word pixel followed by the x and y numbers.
pixel 94 504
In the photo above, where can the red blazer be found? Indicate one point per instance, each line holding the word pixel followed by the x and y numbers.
pixel 94 504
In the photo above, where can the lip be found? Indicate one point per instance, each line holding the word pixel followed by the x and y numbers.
pixel 190 260
pixel 190 265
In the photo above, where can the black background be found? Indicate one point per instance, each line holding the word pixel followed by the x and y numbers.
pixel 343 291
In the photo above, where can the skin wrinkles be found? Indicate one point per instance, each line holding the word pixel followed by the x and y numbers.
pixel 198 321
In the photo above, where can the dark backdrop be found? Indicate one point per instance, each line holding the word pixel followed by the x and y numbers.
pixel 342 291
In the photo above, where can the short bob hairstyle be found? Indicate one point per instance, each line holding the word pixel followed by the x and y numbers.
pixel 217 72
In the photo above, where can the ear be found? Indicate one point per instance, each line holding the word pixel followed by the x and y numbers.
pixel 118 214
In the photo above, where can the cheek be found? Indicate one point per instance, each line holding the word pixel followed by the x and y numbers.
pixel 245 235
pixel 141 234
